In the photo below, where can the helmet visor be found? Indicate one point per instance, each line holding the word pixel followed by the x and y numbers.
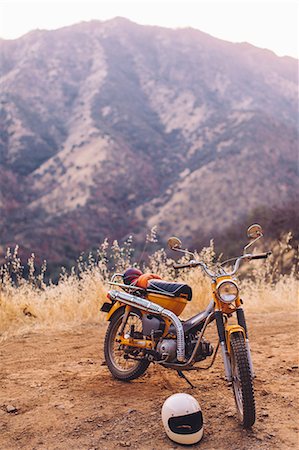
pixel 187 424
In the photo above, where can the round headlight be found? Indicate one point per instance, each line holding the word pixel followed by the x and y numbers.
pixel 227 291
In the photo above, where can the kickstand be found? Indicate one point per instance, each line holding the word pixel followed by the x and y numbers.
pixel 182 375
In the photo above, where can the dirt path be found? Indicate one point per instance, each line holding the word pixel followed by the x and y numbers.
pixel 65 398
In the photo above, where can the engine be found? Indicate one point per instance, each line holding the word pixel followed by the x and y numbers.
pixel 167 349
pixel 204 349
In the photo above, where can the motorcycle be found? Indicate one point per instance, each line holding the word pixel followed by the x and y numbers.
pixel 145 326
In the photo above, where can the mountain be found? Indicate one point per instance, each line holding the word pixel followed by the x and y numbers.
pixel 109 128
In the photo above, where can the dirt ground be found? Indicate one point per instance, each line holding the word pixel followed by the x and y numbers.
pixel 56 394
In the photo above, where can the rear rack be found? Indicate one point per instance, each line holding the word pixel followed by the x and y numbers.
pixel 125 287
pixel 129 287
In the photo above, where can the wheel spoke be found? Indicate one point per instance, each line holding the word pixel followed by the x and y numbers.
pixel 120 358
pixel 117 351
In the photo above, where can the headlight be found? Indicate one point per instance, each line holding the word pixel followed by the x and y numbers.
pixel 227 291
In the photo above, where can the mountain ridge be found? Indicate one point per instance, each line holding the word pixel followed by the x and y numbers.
pixel 109 128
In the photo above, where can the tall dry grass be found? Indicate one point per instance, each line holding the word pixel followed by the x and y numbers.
pixel 29 303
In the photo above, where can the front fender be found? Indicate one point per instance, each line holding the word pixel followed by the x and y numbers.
pixel 229 330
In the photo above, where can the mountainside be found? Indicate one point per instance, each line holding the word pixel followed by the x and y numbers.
pixel 109 128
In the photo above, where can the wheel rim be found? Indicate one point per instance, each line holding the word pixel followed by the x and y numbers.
pixel 117 350
pixel 237 387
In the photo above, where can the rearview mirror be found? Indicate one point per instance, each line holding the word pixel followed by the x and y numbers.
pixel 174 242
pixel 254 231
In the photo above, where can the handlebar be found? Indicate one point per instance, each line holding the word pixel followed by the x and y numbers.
pixel 194 263
pixel 183 266
pixel 261 255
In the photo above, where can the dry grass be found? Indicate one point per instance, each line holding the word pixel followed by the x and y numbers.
pixel 28 303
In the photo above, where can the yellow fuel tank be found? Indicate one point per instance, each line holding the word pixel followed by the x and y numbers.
pixel 174 304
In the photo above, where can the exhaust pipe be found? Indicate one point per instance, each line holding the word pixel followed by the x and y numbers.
pixel 153 308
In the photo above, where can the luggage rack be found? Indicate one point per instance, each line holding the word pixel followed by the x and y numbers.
pixel 129 287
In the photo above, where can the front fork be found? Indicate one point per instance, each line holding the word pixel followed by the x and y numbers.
pixel 223 344
pixel 225 355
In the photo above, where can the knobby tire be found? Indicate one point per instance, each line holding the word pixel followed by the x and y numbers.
pixel 240 364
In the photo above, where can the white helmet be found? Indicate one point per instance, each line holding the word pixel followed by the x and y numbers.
pixel 182 419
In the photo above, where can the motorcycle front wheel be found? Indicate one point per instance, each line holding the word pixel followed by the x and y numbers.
pixel 120 359
pixel 242 381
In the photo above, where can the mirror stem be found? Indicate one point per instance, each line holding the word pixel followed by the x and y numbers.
pixel 251 243
pixel 183 251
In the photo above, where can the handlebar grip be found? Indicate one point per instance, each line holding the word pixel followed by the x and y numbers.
pixel 261 255
pixel 181 266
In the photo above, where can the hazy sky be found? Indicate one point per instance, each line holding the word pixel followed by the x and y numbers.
pixel 264 23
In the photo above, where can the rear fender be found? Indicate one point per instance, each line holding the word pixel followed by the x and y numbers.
pixel 114 308
pixel 229 330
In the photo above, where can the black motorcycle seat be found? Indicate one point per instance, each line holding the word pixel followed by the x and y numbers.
pixel 195 321
pixel 169 288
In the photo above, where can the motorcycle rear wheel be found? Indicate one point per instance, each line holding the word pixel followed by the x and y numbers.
pixel 242 381
pixel 120 367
